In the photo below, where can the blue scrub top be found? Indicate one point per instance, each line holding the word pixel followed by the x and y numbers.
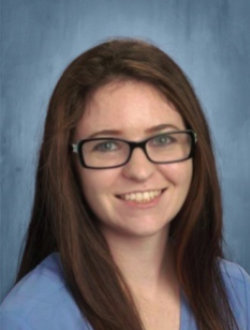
pixel 41 300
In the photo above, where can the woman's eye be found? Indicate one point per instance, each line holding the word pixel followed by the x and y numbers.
pixel 106 146
pixel 162 140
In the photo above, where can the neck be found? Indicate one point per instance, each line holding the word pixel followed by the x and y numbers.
pixel 146 263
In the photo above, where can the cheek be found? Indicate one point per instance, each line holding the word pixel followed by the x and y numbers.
pixel 178 174
pixel 96 182
pixel 97 190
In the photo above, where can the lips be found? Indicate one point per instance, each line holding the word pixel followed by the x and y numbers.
pixel 141 196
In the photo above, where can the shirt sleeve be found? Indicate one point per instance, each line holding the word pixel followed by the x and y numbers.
pixel 246 281
pixel 237 282
pixel 10 322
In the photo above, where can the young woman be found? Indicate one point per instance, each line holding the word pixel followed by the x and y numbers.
pixel 126 230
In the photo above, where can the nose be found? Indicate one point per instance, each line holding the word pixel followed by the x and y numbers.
pixel 138 168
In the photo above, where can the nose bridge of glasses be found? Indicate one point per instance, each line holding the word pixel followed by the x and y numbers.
pixel 138 145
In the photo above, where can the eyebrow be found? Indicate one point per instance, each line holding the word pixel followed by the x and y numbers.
pixel 150 130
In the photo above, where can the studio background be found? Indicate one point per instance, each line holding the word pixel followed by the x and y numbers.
pixel 208 39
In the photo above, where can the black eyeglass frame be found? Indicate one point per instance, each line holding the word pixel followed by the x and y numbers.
pixel 76 148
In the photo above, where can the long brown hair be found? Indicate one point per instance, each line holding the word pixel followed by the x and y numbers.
pixel 62 221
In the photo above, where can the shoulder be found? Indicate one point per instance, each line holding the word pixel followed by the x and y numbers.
pixel 237 284
pixel 234 275
pixel 41 300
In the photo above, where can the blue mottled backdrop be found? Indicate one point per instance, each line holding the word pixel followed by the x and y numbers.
pixel 209 39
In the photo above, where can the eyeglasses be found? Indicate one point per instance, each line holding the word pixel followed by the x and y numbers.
pixel 109 152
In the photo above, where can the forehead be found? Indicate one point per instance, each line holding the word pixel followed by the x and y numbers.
pixel 131 107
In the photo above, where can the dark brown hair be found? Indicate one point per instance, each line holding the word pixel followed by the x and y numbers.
pixel 62 221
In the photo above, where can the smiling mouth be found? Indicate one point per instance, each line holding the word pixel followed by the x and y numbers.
pixel 142 197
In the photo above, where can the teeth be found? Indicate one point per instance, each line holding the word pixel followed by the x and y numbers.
pixel 141 197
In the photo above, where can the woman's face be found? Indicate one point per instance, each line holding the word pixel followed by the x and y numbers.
pixel 133 111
